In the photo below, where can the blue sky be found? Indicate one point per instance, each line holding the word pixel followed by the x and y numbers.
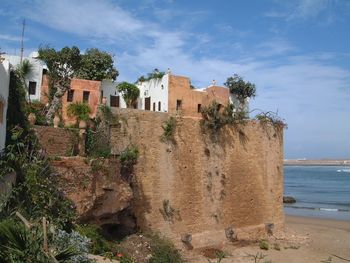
pixel 297 52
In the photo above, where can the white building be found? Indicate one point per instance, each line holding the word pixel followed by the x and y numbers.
pixel 154 94
pixel 34 78
pixel 4 92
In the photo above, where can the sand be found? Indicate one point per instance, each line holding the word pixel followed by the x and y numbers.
pixel 307 240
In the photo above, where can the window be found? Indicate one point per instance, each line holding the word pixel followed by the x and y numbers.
pixel 86 95
pixel 32 87
pixel 159 106
pixel 148 103
pixel 114 101
pixel 70 95
pixel 178 104
pixel 154 106
pixel 199 108
pixel 2 106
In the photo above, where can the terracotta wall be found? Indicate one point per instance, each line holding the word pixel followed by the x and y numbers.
pixel 235 182
pixel 79 86
pixel 179 89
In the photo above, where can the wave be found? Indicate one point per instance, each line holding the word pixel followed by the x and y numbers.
pixel 319 208
pixel 343 171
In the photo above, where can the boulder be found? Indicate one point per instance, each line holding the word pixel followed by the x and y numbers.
pixel 288 200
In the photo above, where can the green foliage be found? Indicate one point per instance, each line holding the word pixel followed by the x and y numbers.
pixel 129 156
pixel 214 117
pixel 62 64
pixel 76 242
pixel 16 105
pixel 163 251
pixel 130 93
pixel 19 244
pixel 79 110
pixel 155 74
pixel 264 245
pixel 240 88
pixel 98 244
pixel 35 193
pixel 169 127
pixel 24 69
pixel 38 109
pixel 107 114
pixel 97 65
pixel 271 118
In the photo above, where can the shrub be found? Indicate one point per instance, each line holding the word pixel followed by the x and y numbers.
pixel 264 245
pixel 19 244
pixel 79 110
pixel 163 250
pixel 155 74
pixel 271 118
pixel 129 156
pixel 35 193
pixel 77 242
pixel 169 129
pixel 38 109
pixel 98 244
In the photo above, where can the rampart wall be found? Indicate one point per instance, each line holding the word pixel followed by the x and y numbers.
pixel 200 185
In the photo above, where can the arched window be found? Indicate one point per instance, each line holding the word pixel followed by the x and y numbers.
pixel 159 106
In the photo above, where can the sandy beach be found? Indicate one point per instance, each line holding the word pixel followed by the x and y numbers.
pixel 307 240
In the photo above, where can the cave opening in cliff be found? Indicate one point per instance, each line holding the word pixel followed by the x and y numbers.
pixel 125 225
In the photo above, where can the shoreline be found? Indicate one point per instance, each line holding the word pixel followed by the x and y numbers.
pixel 326 162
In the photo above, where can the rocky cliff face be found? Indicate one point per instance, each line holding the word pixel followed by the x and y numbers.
pixel 101 196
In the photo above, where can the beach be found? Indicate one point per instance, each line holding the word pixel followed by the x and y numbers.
pixel 306 240
pixel 325 238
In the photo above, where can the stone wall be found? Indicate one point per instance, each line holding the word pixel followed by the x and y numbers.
pixel 201 187
pixel 57 141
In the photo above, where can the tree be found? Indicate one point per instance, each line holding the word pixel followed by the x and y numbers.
pixel 67 63
pixel 62 67
pixel 23 70
pixel 97 65
pixel 129 92
pixel 240 88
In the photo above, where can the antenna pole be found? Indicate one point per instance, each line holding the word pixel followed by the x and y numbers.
pixel 24 24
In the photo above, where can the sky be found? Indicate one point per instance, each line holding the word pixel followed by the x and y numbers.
pixel 297 52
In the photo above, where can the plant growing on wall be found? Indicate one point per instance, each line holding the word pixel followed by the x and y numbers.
pixel 169 127
pixel 155 74
pixel 130 93
pixel 79 110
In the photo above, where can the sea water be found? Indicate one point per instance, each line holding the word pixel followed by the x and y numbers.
pixel 320 191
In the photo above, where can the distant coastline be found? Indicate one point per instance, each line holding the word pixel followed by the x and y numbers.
pixel 323 162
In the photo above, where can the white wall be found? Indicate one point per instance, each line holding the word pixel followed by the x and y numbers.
pixel 4 91
pixel 237 105
pixel 36 73
pixel 109 88
pixel 157 89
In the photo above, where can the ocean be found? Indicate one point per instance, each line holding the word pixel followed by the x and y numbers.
pixel 320 191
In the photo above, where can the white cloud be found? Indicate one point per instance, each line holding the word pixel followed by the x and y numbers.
pixel 300 10
pixel 10 37
pixel 303 87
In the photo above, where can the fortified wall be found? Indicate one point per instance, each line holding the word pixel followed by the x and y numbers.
pixel 204 187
